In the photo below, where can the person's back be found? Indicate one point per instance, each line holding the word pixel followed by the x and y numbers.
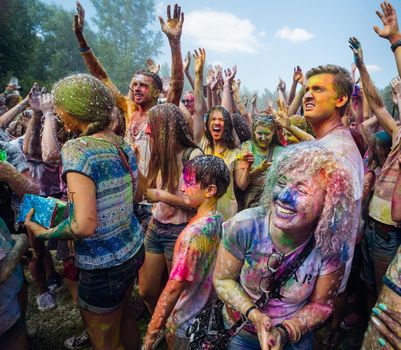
pixel 118 233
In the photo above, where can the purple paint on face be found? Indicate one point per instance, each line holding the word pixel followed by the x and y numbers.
pixel 297 202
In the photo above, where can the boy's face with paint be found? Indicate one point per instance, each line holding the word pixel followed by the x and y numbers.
pixel 142 90
pixel 194 195
pixel 321 100
pixel 264 135
pixel 297 202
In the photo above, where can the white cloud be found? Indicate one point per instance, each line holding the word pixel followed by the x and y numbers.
pixel 294 35
pixel 220 31
pixel 373 68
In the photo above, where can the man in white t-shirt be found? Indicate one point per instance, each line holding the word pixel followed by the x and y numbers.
pixel 328 94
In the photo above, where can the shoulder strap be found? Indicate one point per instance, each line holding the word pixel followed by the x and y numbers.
pixel 278 283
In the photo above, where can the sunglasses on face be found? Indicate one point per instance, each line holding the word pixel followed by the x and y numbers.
pixel 186 101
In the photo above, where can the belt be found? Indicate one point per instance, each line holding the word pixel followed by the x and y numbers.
pixel 383 230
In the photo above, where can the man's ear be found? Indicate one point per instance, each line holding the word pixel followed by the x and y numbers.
pixel 156 94
pixel 341 101
pixel 211 191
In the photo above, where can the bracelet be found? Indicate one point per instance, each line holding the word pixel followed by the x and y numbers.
pixel 395 45
pixel 253 307
pixel 297 331
pixel 84 49
pixel 286 337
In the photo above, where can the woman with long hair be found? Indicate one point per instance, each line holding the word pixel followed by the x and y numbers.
pixel 280 265
pixel 264 148
pixel 219 140
pixel 102 180
pixel 171 144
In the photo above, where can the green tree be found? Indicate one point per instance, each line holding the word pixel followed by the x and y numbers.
pixel 17 40
pixel 125 39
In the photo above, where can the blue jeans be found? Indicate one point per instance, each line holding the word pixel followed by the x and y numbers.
pixel 247 341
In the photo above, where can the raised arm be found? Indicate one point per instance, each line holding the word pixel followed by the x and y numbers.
pixel 296 102
pixel 200 105
pixel 390 30
pixel 187 63
pixel 173 29
pixel 296 78
pixel 32 143
pixel 372 96
pixel 8 117
pixel 92 63
pixel 50 144
pixel 396 89
pixel 282 118
pixel 228 98
pixel 281 89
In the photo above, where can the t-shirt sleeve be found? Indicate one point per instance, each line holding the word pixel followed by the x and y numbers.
pixel 237 237
pixel 186 259
pixel 75 158
pixel 331 264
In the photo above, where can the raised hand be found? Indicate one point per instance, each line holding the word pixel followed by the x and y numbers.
pixel 281 115
pixel 46 103
pixel 269 107
pixel 216 81
pixel 173 27
pixel 209 77
pixel 229 75
pixel 79 19
pixel 396 86
pixel 356 48
pixel 298 75
pixel 34 98
pixel 389 18
pixel 199 59
pixel 254 98
pixel 187 61
pixel 152 66
pixel 281 85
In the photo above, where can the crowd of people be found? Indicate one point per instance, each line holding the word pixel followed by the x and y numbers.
pixel 242 228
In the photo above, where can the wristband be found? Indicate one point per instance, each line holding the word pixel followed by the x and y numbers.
pixel 84 49
pixel 395 45
pixel 286 338
pixel 253 307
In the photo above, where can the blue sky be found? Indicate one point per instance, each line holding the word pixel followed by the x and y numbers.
pixel 266 39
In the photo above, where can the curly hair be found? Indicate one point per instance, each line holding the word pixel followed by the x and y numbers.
pixel 308 159
pixel 86 99
pixel 228 135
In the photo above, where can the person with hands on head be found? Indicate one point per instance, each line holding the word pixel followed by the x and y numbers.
pixel 390 30
pixel 300 229
pixel 102 179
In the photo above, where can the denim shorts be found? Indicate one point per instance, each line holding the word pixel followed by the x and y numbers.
pixel 102 291
pixel 378 250
pixel 160 238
